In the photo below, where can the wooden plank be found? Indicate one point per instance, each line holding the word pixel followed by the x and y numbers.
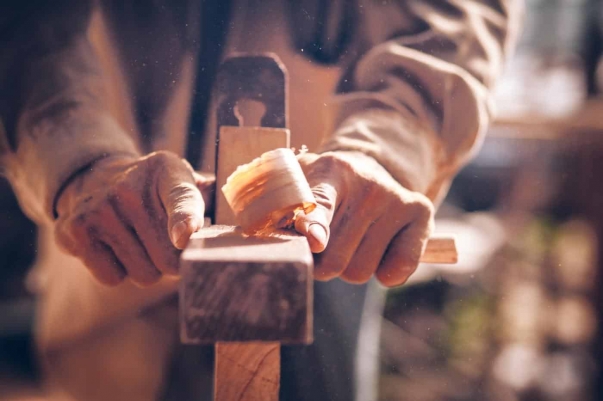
pixel 241 288
pixel 238 146
pixel 236 377
pixel 440 250
pixel 247 372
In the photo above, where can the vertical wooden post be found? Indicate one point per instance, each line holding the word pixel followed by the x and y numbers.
pixel 245 371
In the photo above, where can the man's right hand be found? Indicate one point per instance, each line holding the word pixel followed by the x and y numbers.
pixel 128 217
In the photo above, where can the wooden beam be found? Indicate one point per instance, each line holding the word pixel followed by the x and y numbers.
pixel 238 146
pixel 241 288
pixel 257 289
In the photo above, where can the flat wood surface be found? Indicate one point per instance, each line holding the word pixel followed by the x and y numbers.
pixel 241 288
pixel 219 243
pixel 238 146
pixel 247 372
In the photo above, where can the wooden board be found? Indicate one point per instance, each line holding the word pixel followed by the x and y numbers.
pixel 247 372
pixel 241 288
pixel 237 376
pixel 238 146
pixel 441 250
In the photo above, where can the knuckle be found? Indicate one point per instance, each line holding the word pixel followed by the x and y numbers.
pixel 185 163
pixel 423 209
pixel 416 205
pixel 397 207
pixel 306 160
pixel 161 156
pixel 125 193
pixel 329 160
pixel 327 163
pixel 425 203
pixel 159 159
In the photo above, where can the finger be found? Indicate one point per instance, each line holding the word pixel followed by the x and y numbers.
pixel 79 239
pixel 102 263
pixel 156 242
pixel 128 249
pixel 315 226
pixel 370 252
pixel 182 201
pixel 348 231
pixel 149 222
pixel 403 254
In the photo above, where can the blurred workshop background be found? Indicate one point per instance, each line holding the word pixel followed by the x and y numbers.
pixel 519 318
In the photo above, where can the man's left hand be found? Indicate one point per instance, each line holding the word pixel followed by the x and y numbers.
pixel 372 225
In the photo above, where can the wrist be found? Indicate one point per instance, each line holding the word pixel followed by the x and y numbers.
pixel 96 170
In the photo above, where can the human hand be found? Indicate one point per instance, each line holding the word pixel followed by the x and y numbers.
pixel 372 224
pixel 129 217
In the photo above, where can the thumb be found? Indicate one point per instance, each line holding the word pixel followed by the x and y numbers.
pixel 182 201
pixel 315 225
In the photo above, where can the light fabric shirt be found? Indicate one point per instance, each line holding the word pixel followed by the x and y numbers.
pixel 406 82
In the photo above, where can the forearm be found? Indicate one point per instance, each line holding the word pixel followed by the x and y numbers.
pixel 419 100
pixel 53 108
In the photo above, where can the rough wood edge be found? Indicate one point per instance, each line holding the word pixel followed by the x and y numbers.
pixel 441 250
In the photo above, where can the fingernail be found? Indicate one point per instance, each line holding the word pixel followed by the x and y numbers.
pixel 318 233
pixel 177 232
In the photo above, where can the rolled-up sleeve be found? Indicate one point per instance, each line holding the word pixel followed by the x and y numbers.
pixel 418 95
pixel 53 119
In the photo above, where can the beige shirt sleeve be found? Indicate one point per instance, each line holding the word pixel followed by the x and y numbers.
pixel 419 98
pixel 53 116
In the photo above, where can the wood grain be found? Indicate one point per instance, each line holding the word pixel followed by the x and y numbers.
pixel 247 372
pixel 238 146
pixel 241 288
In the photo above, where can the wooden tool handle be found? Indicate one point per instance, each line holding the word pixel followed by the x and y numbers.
pixel 440 250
